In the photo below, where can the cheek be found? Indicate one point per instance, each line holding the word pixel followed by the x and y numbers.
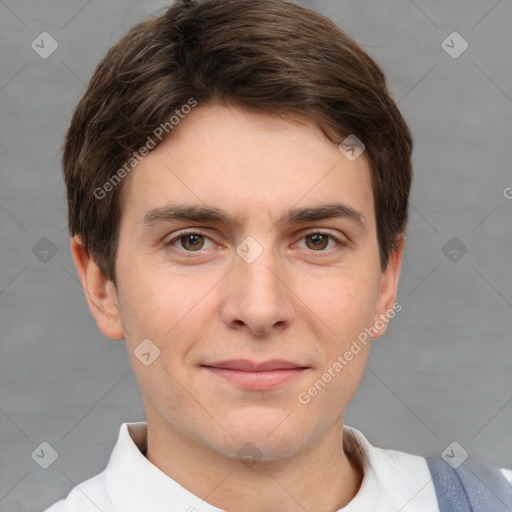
pixel 153 301
pixel 166 313
pixel 344 300
pixel 169 310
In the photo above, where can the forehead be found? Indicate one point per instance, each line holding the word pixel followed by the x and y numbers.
pixel 248 163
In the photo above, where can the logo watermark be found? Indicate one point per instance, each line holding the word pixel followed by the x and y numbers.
pixel 352 147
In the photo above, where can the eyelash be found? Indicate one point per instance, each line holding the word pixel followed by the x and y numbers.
pixel 170 243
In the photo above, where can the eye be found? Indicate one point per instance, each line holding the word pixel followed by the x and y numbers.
pixel 192 241
pixel 318 241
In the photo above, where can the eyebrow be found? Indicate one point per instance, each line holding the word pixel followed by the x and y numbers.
pixel 198 213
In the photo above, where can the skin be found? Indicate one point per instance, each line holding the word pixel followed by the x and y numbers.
pixel 295 302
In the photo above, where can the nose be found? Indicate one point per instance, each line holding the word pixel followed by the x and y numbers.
pixel 256 297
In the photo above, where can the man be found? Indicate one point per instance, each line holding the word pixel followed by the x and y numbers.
pixel 238 180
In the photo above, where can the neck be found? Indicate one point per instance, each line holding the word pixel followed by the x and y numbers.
pixel 321 477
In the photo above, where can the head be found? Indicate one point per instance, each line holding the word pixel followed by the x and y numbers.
pixel 234 111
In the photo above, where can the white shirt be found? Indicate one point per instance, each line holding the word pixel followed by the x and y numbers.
pixel 393 481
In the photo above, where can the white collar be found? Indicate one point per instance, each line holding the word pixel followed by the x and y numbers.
pixel 135 484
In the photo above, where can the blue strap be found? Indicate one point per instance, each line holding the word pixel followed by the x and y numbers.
pixel 472 487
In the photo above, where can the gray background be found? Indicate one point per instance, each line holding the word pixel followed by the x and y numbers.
pixel 442 371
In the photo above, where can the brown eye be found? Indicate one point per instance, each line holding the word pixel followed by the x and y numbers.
pixel 317 241
pixel 189 242
pixel 192 242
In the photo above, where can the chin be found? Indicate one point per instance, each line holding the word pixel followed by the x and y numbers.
pixel 261 449
pixel 268 439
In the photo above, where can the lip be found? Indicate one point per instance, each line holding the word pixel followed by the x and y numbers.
pixel 256 376
pixel 246 365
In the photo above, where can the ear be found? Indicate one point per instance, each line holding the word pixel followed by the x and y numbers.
pixel 100 293
pixel 387 295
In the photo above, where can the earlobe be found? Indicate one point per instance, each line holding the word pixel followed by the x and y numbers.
pixel 100 293
pixel 387 296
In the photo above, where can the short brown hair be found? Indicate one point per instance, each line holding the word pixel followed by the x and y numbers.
pixel 272 56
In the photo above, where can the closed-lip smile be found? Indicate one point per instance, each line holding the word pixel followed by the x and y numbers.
pixel 256 376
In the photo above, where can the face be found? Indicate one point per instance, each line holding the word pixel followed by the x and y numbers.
pixel 251 301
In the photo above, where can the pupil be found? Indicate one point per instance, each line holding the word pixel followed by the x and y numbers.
pixel 318 240
pixel 192 241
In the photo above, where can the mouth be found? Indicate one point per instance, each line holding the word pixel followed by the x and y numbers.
pixel 256 376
